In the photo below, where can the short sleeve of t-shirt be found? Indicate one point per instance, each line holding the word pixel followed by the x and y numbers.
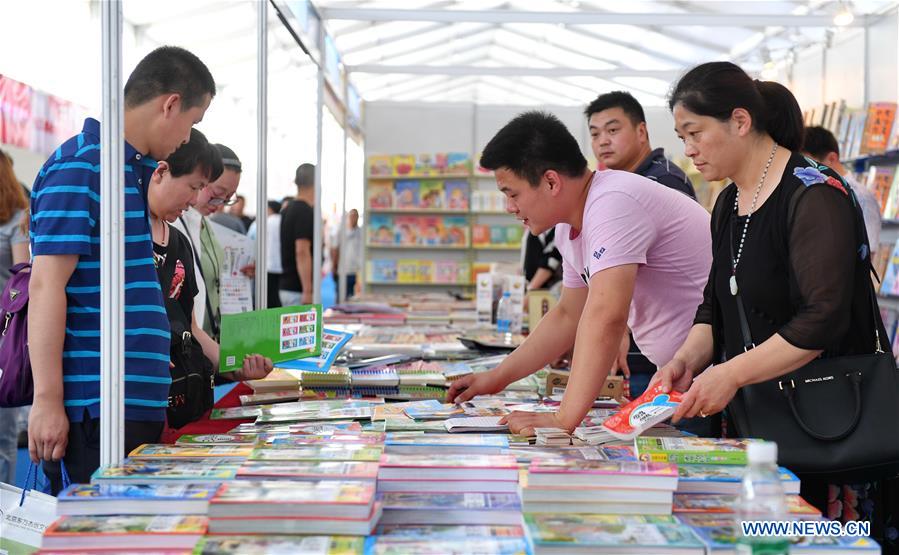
pixel 571 278
pixel 65 208
pixel 617 231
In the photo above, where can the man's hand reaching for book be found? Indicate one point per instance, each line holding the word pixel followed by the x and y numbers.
pixel 466 387
pixel 523 423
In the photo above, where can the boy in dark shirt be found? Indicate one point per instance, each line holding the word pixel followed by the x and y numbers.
pixel 297 225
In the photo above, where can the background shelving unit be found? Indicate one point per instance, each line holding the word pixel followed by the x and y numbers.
pixel 412 244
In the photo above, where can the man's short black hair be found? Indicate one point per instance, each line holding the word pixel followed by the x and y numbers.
pixel 305 176
pixel 169 70
pixel 618 99
pixel 531 144
pixel 819 142
pixel 197 152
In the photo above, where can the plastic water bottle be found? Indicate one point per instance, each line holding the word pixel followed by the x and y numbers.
pixel 504 314
pixel 761 499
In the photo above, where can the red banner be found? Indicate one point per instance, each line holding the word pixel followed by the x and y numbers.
pixel 15 113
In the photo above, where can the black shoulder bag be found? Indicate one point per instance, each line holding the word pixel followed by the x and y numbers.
pixel 193 377
pixel 837 415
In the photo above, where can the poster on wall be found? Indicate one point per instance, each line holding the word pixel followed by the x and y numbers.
pixel 15 113
pixel 238 252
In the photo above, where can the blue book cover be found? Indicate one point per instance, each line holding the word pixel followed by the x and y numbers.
pixel 376 545
pixel 472 441
pixel 406 194
pixel 723 478
pixel 128 492
pixel 332 342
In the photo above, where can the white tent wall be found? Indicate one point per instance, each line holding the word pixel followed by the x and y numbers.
pixel 405 127
pixel 827 74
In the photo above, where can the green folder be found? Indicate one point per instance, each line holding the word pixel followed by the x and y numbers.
pixel 286 333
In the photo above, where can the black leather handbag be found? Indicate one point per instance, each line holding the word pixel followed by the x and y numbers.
pixel 836 415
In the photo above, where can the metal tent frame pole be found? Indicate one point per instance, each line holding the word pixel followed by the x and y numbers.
pixel 342 221
pixel 317 243
pixel 112 235
pixel 262 156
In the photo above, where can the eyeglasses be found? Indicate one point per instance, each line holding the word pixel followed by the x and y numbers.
pixel 218 201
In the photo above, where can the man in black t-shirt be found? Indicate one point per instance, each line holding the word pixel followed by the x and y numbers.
pixel 297 224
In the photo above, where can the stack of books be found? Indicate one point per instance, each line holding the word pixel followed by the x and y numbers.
pixel 333 384
pixel 448 474
pixel 564 486
pixel 281 507
pixel 324 545
pixel 552 436
pixel 445 444
pixel 120 534
pixel 612 534
pixel 374 381
pixel 308 470
pixel 501 509
pixel 327 452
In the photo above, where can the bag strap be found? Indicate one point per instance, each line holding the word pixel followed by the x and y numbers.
pixel 862 240
pixel 209 313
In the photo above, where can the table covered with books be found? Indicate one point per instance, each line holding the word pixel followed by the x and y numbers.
pixel 370 459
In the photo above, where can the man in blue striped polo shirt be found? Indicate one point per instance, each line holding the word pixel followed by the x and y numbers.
pixel 165 96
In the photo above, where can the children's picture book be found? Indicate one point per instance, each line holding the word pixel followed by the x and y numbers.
pixel 456 195
pixel 346 452
pixel 121 499
pixel 397 545
pixel 458 163
pixel 277 333
pixel 125 531
pixel 406 194
pixel 480 234
pixel 432 195
pixel 425 271
pixel 407 270
pixel 455 231
pixel 380 165
pixel 403 164
pixel 216 439
pixel 718 532
pixel 380 230
pixel 406 230
pixel 432 409
pixel 279 498
pixel 273 416
pixel 380 195
pixel 692 450
pixel 308 470
pixel 332 342
pixel 382 270
pixel 336 438
pixel 236 413
pixel 259 545
pixel 591 533
pixel 726 503
pixel 723 478
pixel 647 410
pixel 179 451
pixel 166 471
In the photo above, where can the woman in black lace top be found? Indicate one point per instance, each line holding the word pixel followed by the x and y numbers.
pixel 783 237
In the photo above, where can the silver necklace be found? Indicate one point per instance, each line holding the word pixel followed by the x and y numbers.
pixel 736 261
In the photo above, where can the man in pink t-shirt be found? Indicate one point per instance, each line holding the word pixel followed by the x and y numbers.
pixel 634 255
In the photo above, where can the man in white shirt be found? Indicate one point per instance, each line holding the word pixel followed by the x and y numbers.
pixel 348 253
pixel 821 145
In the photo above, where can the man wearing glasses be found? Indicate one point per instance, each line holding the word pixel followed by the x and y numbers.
pixel 208 253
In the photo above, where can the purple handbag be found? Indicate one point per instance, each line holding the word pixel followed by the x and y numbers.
pixel 16 382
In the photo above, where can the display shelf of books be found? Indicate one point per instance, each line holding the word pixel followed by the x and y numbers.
pixel 431 206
